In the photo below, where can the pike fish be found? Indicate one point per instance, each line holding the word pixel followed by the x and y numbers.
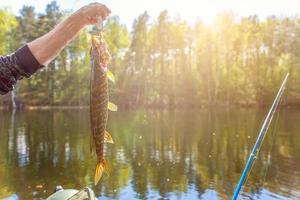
pixel 99 102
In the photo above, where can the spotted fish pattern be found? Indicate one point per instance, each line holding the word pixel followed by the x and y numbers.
pixel 99 101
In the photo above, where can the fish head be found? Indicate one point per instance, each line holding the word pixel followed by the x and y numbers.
pixel 100 52
pixel 104 56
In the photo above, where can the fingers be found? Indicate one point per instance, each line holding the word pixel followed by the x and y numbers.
pixel 101 10
pixel 93 11
pixel 104 12
pixel 92 21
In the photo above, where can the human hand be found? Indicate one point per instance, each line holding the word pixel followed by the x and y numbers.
pixel 89 14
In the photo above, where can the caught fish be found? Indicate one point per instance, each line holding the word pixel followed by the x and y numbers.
pixel 99 102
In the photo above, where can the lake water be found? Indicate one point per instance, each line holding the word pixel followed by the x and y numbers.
pixel 156 155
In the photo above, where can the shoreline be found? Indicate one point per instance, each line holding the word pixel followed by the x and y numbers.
pixel 147 107
pixel 47 107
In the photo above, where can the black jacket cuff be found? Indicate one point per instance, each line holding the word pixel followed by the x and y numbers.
pixel 26 60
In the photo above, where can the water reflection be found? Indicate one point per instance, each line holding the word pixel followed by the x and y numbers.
pixel 156 155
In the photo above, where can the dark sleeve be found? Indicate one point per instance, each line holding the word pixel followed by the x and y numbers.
pixel 16 66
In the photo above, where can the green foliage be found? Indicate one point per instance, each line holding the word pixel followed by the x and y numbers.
pixel 166 62
pixel 8 25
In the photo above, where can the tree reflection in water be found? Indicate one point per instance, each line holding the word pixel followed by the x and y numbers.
pixel 156 155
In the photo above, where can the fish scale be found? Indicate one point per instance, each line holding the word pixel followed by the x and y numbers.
pixel 99 108
pixel 99 99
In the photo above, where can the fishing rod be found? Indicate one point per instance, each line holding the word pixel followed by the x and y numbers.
pixel 260 137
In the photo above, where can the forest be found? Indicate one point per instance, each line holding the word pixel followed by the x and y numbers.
pixel 163 62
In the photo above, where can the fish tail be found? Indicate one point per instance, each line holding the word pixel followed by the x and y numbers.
pixel 101 166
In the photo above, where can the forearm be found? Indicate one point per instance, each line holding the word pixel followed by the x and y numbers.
pixel 28 59
pixel 46 48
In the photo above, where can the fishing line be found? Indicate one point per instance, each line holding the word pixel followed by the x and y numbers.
pixel 272 135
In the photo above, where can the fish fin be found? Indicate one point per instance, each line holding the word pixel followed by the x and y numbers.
pixel 92 144
pixel 101 166
pixel 112 107
pixel 110 76
pixel 108 138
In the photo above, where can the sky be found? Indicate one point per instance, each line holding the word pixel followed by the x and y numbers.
pixel 187 9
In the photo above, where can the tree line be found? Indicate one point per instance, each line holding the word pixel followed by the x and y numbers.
pixel 164 62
